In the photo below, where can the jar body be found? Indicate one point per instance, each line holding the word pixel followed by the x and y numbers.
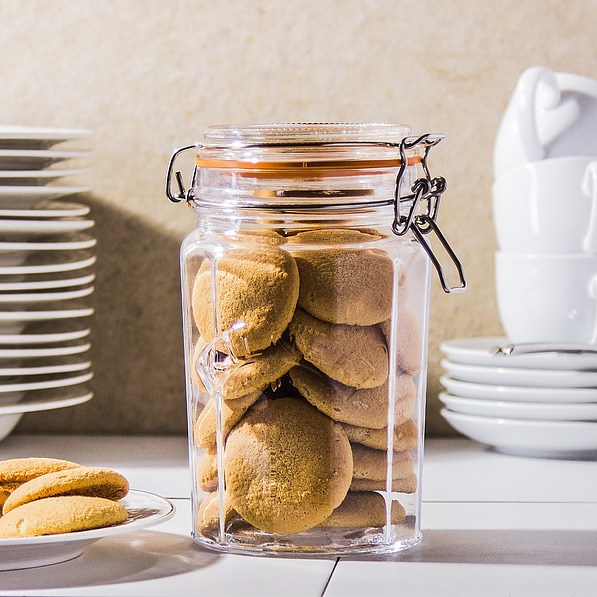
pixel 306 353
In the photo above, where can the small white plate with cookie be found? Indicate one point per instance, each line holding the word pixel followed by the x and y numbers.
pixel 144 510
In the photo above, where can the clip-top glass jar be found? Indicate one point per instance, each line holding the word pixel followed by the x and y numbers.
pixel 305 307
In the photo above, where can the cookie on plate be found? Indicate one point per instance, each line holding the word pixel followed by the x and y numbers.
pixel 287 467
pixel 364 509
pixel 64 514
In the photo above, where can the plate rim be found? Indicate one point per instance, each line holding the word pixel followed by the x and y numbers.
pixel 48 404
pixel 50 384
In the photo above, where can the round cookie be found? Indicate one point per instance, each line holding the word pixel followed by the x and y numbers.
pixel 344 285
pixel 333 236
pixel 258 237
pixel 408 346
pixel 406 485
pixel 287 466
pixel 363 408
pixel 208 515
pixel 232 412
pixel 89 481
pixel 208 471
pixel 353 355
pixel 16 471
pixel 364 509
pixel 372 464
pixel 405 436
pixel 256 294
pixel 63 514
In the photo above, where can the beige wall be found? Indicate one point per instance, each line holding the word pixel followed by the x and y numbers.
pixel 148 75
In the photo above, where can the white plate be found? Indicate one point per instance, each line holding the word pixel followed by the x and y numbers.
pixel 517 393
pixel 45 315
pixel 35 227
pixel 40 177
pixel 36 159
pixel 45 399
pixel 29 137
pixel 521 410
pixel 475 351
pixel 48 263
pixel 76 347
pixel 39 297
pixel 54 381
pixel 48 209
pixel 64 242
pixel 46 332
pixel 526 437
pixel 23 197
pixel 544 378
pixel 145 510
pixel 43 281
pixel 43 366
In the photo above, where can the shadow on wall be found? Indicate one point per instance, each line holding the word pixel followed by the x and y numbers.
pixel 137 348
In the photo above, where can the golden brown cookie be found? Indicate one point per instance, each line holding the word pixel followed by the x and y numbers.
pixel 89 481
pixel 3 496
pixel 256 294
pixel 363 408
pixel 232 412
pixel 405 436
pixel 372 464
pixel 64 514
pixel 287 467
pixel 408 348
pixel 344 285
pixel 333 236
pixel 245 237
pixel 364 509
pixel 208 471
pixel 208 515
pixel 353 355
pixel 406 485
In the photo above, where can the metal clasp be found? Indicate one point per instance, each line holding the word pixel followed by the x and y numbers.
pixel 187 195
pixel 427 190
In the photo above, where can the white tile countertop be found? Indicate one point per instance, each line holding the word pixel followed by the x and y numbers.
pixel 493 525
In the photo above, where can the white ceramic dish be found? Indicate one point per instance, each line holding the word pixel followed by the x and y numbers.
pixel 517 393
pixel 41 177
pixel 74 241
pixel 49 209
pixel 528 437
pixel 49 264
pixel 43 366
pixel 36 159
pixel 145 510
pixel 31 315
pixel 46 332
pixel 38 297
pixel 475 351
pixel 76 347
pixel 23 197
pixel 29 137
pixel 544 378
pixel 44 399
pixel 43 282
pixel 543 411
pixel 54 381
pixel 35 227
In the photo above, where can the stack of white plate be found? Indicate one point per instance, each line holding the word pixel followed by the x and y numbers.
pixel 540 404
pixel 46 273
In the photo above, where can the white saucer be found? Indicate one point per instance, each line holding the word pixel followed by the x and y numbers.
pixel 38 227
pixel 33 177
pixel 76 347
pixel 48 209
pixel 54 381
pixel 28 137
pixel 517 393
pixel 145 510
pixel 74 241
pixel 48 263
pixel 475 351
pixel 43 281
pixel 543 411
pixel 528 437
pixel 43 366
pixel 36 159
pixel 39 297
pixel 46 332
pixel 45 315
pixel 521 377
pixel 23 197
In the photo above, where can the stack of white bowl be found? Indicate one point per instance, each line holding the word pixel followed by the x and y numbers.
pixel 545 214
pixel 46 271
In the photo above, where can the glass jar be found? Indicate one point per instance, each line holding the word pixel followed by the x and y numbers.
pixel 305 308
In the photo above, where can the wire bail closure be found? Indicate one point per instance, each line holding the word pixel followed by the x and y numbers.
pixel 424 190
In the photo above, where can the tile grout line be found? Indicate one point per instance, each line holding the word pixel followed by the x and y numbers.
pixel 325 588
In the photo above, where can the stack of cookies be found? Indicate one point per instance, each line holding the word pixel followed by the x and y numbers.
pixel 298 347
pixel 46 496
